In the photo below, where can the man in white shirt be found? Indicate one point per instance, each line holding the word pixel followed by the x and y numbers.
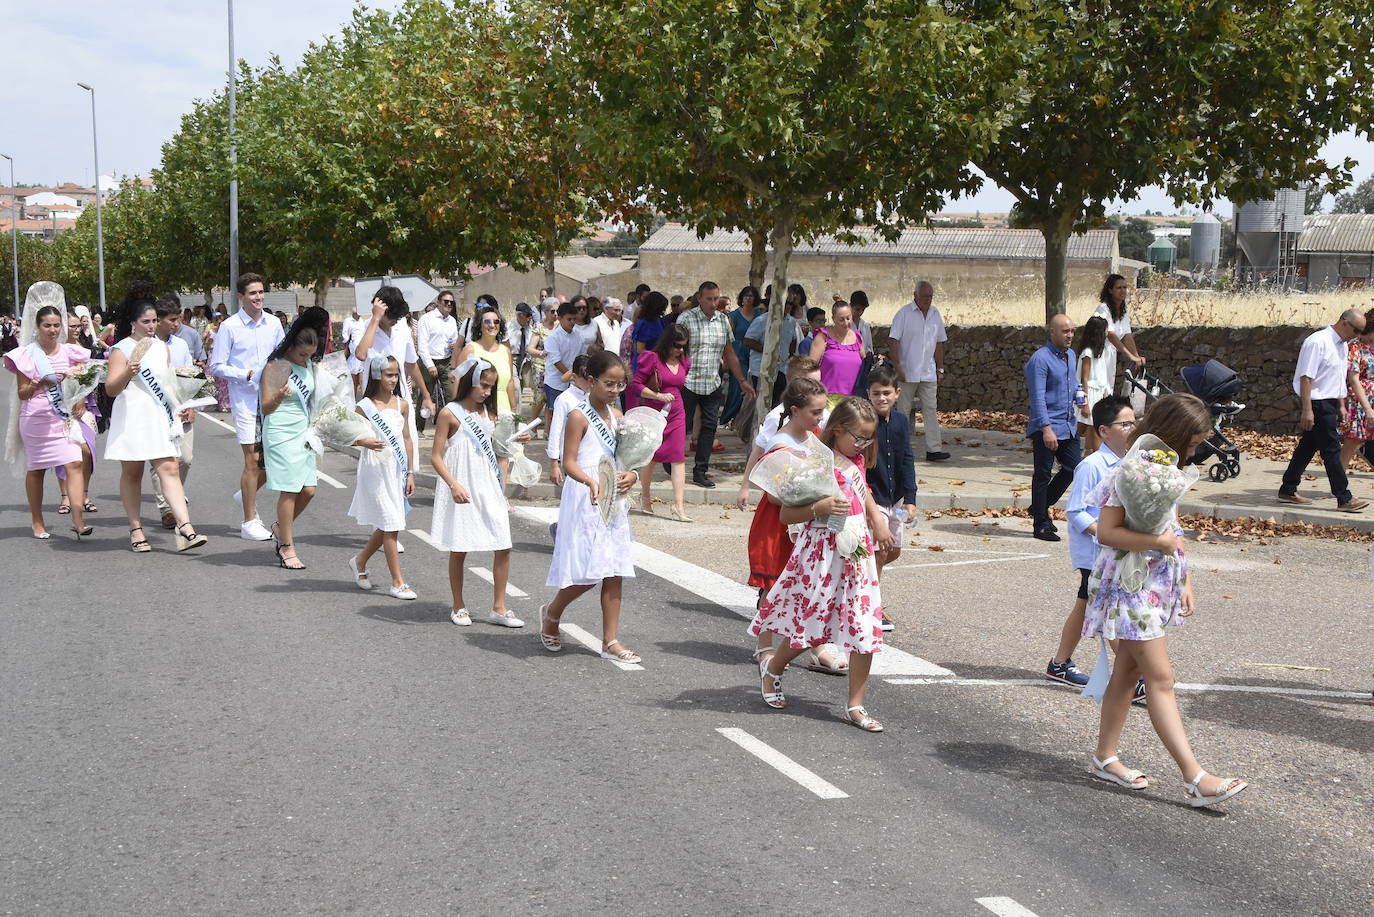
pixel 388 334
pixel 561 347
pixel 242 345
pixel 916 345
pixel 179 356
pixel 610 324
pixel 1320 382
pixel 437 332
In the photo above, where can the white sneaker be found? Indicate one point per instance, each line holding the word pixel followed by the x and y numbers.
pixel 504 620
pixel 400 548
pixel 460 617
pixel 254 530
pixel 402 591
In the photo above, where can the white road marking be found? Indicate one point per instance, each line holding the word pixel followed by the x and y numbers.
pixel 997 557
pixel 737 597
pixel 332 482
pixel 424 536
pixel 1004 907
pixel 1179 686
pixel 214 420
pixel 783 764
pixel 593 644
pixel 484 573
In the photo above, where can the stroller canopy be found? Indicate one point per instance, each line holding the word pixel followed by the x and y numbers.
pixel 1213 381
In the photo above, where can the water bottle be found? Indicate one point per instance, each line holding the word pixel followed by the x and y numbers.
pixel 1080 397
pixel 426 413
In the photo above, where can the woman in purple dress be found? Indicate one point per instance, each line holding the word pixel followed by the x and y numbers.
pixel 840 351
pixel 658 383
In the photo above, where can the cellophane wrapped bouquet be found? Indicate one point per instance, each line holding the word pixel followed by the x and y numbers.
pixel 78 385
pixel 1149 483
pixel 801 476
pixel 333 421
pixel 637 438
pixel 193 388
pixel 524 470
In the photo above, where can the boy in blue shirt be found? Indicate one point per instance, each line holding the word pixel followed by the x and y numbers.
pixel 892 476
pixel 1114 422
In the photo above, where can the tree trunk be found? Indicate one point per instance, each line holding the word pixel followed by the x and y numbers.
pixel 758 258
pixel 321 291
pixel 784 225
pixel 550 266
pixel 1056 266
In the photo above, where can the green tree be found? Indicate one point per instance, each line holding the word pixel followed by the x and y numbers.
pixel 35 264
pixel 1359 199
pixel 798 116
pixel 1200 98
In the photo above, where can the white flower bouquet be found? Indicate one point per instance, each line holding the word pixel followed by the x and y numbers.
pixel 800 476
pixel 638 438
pixel 523 470
pixel 193 388
pixel 338 425
pixel 1149 483
pixel 77 386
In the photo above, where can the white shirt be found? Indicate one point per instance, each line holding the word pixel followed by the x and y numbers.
pixel 1120 329
pixel 178 354
pixel 397 344
pixel 917 336
pixel 520 338
pixel 788 339
pixel 561 347
pixel 866 332
pixel 563 405
pixel 349 329
pixel 1324 359
pixel 437 332
pixel 610 332
pixel 242 347
pixel 194 344
pixel 586 334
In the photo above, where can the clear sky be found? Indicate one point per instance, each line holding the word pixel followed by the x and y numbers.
pixel 148 59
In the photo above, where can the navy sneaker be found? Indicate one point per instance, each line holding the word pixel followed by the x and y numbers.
pixel 1139 697
pixel 887 626
pixel 1066 673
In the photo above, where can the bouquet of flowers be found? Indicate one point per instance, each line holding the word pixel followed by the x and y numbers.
pixel 77 386
pixel 1149 483
pixel 193 388
pixel 524 470
pixel 800 476
pixel 637 439
pixel 338 425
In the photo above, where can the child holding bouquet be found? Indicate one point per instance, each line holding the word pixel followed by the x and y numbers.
pixel 386 474
pixel 1140 586
pixel 828 592
pixel 588 550
pixel 470 511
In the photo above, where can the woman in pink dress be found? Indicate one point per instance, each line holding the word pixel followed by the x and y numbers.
pixel 1357 430
pixel 840 351
pixel 659 377
pixel 42 432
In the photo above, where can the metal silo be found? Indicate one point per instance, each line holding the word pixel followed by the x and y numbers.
pixel 1204 246
pixel 1266 238
pixel 1162 255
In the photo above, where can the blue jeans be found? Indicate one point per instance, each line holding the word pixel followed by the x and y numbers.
pixel 1046 486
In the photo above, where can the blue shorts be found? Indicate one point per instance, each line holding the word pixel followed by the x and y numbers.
pixel 551 395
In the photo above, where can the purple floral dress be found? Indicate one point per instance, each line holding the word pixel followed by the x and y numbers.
pixel 1118 614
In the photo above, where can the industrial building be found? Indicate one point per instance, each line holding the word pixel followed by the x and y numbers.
pixel 1336 251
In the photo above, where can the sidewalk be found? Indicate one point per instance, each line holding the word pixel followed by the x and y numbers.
pixel 991 470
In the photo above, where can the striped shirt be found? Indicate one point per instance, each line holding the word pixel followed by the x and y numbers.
pixel 709 337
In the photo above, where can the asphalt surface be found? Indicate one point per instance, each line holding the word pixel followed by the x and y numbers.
pixel 212 735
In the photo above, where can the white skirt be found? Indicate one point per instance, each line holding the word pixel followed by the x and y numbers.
pixel 586 550
pixel 480 525
pixel 379 499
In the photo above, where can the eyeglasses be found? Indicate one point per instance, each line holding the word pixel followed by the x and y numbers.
pixel 860 442
pixel 1123 424
pixel 613 386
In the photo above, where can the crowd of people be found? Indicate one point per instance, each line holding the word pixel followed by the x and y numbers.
pixel 578 365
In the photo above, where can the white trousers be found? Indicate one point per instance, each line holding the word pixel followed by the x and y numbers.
pixel 188 442
pixel 926 391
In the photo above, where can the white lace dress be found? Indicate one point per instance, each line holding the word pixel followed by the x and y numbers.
pixel 482 524
pixel 379 500
pixel 586 550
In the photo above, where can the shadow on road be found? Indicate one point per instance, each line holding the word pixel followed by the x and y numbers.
pixel 1327 720
pixel 400 612
pixel 520 644
pixel 704 651
pixel 744 699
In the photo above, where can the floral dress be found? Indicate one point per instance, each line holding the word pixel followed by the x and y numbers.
pixel 1358 424
pixel 1119 614
pixel 822 596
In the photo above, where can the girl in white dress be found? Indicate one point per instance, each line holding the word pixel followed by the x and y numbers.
pixel 470 511
pixel 386 474
pixel 587 551
pixel 145 425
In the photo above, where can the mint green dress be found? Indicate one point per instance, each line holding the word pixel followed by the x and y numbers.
pixel 290 463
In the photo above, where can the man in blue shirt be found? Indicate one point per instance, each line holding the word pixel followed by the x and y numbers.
pixel 1052 381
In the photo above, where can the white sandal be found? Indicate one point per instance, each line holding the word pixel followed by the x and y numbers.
pixel 774 697
pixel 623 655
pixel 554 644
pixel 1129 781
pixel 460 617
pixel 864 722
pixel 1228 787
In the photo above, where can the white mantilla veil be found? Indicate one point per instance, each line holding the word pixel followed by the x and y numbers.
pixel 43 293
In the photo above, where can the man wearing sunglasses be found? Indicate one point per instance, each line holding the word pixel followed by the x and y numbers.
pixel 438 330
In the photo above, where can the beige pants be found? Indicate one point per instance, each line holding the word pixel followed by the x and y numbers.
pixel 188 443
pixel 926 392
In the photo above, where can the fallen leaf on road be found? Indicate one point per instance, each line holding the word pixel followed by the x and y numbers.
pixel 934 547
pixel 1285 665
pixel 1228 596
pixel 956 483
pixel 933 515
pixel 1276 560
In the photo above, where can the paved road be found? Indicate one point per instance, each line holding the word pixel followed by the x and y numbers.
pixel 212 735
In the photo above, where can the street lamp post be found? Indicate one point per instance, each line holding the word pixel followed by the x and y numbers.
pixel 99 225
pixel 233 179
pixel 14 233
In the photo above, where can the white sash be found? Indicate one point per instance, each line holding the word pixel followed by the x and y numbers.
pixel 604 436
pixel 160 395
pixel 478 435
pixel 390 437
pixel 303 393
pixel 54 392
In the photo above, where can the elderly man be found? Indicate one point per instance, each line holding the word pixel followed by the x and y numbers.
pixel 1320 382
pixel 610 324
pixel 917 347
pixel 709 338
pixel 1052 381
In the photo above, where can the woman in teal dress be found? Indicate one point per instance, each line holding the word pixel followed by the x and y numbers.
pixel 287 395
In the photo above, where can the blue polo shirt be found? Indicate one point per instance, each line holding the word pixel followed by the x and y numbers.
pixel 1051 380
pixel 1090 472
pixel 892 478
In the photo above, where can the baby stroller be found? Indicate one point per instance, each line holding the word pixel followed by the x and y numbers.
pixel 1218 386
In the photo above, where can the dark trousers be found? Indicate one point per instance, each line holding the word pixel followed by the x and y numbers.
pixel 710 416
pixel 1322 439
pixel 1046 486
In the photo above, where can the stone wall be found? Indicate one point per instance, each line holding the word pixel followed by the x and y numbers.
pixel 984 365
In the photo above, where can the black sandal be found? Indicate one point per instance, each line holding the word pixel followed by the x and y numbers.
pixel 141 546
pixel 282 558
pixel 65 507
pixel 89 507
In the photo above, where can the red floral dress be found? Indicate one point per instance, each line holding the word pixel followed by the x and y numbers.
pixel 822 596
pixel 1358 424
